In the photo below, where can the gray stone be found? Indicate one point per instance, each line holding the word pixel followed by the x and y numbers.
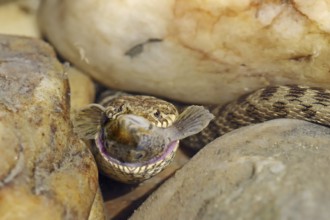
pixel 275 170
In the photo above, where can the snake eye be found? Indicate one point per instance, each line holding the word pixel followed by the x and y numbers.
pixel 113 112
pixel 157 114
pixel 120 108
pixel 123 109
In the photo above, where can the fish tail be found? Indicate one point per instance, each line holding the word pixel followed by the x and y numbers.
pixel 87 121
pixel 192 120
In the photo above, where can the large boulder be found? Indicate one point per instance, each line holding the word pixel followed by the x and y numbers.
pixel 276 170
pixel 193 51
pixel 46 171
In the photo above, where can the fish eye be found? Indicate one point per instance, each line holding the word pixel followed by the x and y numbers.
pixel 120 108
pixel 139 155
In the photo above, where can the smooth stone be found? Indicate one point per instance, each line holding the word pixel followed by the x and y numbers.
pixel 207 52
pixel 19 18
pixel 275 170
pixel 82 89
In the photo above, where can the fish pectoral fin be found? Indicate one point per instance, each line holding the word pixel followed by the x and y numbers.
pixel 191 121
pixel 87 121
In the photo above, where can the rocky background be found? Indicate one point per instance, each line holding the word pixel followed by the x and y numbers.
pixel 188 51
pixel 193 51
pixel 43 162
pixel 276 170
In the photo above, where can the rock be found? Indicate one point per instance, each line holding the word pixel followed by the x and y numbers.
pixel 82 93
pixel 82 89
pixel 97 211
pixel 30 6
pixel 210 52
pixel 46 172
pixel 16 18
pixel 275 170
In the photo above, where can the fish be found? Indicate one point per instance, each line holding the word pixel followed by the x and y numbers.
pixel 137 139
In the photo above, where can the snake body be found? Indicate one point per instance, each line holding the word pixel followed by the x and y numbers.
pixel 272 102
pixel 291 101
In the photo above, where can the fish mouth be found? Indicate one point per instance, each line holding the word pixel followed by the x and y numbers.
pixel 169 150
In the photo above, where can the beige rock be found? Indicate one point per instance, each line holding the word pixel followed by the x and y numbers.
pixel 82 89
pixel 97 211
pixel 17 19
pixel 82 93
pixel 275 170
pixel 46 172
pixel 30 6
pixel 206 52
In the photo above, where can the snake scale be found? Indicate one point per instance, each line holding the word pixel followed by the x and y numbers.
pixel 137 136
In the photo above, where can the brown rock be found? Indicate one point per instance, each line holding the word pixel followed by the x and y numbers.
pixel 275 170
pixel 46 172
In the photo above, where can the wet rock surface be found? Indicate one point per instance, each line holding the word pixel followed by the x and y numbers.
pixel 275 170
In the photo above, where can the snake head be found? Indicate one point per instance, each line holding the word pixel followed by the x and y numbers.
pixel 131 148
pixel 144 140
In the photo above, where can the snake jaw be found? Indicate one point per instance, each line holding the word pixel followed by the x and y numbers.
pixel 134 148
pixel 137 132
pixel 132 172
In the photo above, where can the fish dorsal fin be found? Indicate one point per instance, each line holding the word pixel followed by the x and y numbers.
pixel 191 121
pixel 87 121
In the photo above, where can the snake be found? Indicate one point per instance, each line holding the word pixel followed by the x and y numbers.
pixel 137 136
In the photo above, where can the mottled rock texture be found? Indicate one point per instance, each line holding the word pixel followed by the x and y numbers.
pixel 276 170
pixel 46 172
pixel 191 50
